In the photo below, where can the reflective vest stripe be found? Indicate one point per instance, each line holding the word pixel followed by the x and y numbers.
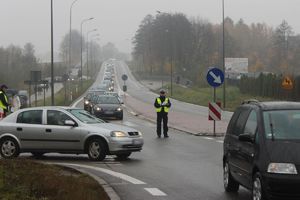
pixel 166 109
pixel 1 103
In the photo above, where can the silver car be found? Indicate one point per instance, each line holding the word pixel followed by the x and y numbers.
pixel 65 130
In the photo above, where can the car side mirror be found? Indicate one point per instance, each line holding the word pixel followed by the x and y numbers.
pixel 246 137
pixel 70 123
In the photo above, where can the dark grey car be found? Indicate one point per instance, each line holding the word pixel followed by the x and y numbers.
pixel 65 130
pixel 108 106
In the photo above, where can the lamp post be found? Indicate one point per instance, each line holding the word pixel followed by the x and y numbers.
pixel 87 52
pixel 82 22
pixel 52 70
pixel 93 49
pixel 70 34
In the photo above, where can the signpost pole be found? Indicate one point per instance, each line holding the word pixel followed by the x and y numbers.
pixel 215 78
pixel 214 120
pixel 29 95
pixel 35 95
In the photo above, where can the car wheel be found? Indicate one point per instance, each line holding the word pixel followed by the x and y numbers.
pixel 123 156
pixel 96 150
pixel 9 148
pixel 121 117
pixel 257 188
pixel 37 154
pixel 230 184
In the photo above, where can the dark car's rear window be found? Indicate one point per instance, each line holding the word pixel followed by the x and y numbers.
pixel 282 124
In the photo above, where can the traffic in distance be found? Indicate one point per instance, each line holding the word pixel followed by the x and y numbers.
pixel 102 101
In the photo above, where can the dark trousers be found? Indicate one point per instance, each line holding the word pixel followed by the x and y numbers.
pixel 162 116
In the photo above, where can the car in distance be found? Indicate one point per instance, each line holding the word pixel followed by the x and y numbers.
pixel 87 100
pixel 262 150
pixel 108 106
pixel 116 94
pixel 65 130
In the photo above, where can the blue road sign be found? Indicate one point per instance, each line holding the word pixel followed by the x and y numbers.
pixel 215 77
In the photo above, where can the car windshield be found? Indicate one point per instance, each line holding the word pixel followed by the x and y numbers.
pixel 85 117
pixel 282 124
pixel 108 100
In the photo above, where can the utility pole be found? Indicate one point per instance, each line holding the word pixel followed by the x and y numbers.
pixel 52 70
pixel 223 60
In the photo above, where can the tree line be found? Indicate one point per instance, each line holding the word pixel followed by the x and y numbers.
pixel 190 45
pixel 16 62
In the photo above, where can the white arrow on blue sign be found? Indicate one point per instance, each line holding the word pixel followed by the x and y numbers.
pixel 215 77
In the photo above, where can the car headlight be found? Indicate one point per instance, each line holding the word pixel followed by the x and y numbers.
pixel 86 102
pixel 118 134
pixel 98 108
pixel 282 168
pixel 140 134
pixel 119 109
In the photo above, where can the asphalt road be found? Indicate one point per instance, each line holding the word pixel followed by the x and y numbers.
pixel 182 167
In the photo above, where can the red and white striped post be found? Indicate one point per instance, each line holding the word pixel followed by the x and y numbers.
pixel 214 113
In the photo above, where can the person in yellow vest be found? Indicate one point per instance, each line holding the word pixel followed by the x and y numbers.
pixel 162 105
pixel 4 99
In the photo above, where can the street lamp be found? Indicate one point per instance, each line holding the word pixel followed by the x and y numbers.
pixel 52 70
pixel 87 52
pixel 82 22
pixel 93 51
pixel 70 34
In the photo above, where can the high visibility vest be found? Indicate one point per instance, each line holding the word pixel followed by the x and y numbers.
pixel 166 109
pixel 1 103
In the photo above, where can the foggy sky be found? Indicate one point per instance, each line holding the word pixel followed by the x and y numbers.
pixel 24 21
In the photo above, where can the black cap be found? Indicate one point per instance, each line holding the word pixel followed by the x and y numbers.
pixel 162 91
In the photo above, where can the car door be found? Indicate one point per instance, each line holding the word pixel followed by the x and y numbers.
pixel 59 136
pixel 246 153
pixel 233 144
pixel 29 128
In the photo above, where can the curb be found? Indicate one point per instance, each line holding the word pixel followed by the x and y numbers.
pixel 132 112
pixel 107 188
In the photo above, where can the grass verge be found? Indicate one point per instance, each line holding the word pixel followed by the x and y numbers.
pixel 28 180
pixel 201 96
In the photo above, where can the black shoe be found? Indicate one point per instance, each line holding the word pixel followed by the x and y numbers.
pixel 158 136
pixel 166 136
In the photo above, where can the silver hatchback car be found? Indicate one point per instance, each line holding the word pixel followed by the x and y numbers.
pixel 65 130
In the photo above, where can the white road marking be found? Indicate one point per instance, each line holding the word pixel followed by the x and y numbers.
pixel 220 141
pixel 155 192
pixel 107 171
pixel 208 138
pixel 128 123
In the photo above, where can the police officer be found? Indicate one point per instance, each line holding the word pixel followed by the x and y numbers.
pixel 162 105
pixel 4 99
